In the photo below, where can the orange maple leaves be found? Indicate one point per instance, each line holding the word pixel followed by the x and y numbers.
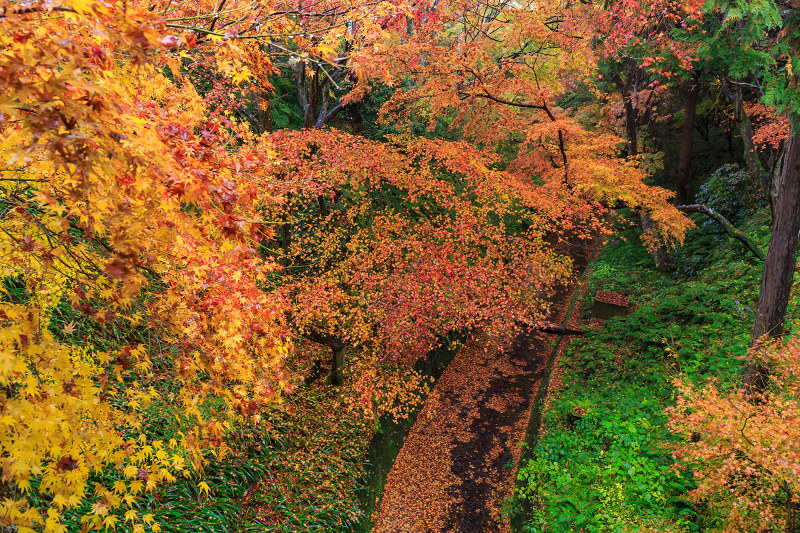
pixel 744 451
pixel 393 246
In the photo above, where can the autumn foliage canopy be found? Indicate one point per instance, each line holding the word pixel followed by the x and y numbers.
pixel 157 250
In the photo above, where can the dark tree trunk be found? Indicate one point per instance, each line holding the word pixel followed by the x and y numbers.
pixel 338 351
pixel 792 510
pixel 313 98
pixel 285 235
pixel 264 113
pixel 776 282
pixel 657 251
pixel 752 162
pixel 314 94
pixel 630 128
pixel 628 92
pixel 687 141
pixel 337 364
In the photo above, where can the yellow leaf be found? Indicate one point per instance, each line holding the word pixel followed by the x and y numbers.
pixel 83 6
pixel 326 50
pixel 241 76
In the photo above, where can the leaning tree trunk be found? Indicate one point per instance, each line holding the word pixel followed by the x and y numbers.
pixel 687 141
pixel 776 282
pixel 729 228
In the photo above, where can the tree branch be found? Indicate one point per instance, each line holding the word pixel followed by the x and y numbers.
pixel 325 339
pixel 729 228
pixel 547 327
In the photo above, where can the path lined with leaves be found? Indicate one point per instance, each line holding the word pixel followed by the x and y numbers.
pixel 459 461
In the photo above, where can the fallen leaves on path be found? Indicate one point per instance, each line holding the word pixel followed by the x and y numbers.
pixel 456 464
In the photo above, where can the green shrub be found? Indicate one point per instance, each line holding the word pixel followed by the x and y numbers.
pixel 732 192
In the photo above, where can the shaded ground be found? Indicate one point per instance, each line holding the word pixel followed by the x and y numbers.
pixel 458 462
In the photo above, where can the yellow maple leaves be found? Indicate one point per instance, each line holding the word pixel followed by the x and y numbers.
pixel 124 250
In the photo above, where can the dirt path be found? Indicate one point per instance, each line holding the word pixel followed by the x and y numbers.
pixel 458 462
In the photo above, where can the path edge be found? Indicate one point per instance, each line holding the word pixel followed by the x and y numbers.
pixel 519 513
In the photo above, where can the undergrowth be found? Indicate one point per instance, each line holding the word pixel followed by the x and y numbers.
pixel 602 462
pixel 297 470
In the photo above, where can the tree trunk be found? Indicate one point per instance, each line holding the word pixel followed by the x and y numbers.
pixel 776 175
pixel 264 113
pixel 338 351
pixel 687 141
pixel 657 251
pixel 776 282
pixel 313 99
pixel 337 364
pixel 792 511
pixel 729 228
pixel 628 103
pixel 631 121
pixel 751 160
pixel 630 128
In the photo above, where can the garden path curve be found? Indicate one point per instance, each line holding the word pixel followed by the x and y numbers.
pixel 458 462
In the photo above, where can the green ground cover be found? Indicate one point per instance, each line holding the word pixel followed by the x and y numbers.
pixel 603 460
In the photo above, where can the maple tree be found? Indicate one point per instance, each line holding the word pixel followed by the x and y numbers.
pixel 121 222
pixel 562 173
pixel 237 45
pixel 640 50
pixel 744 453
pixel 387 248
pixel 493 74
pixel 641 54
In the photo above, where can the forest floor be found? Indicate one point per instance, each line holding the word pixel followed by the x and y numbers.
pixel 458 463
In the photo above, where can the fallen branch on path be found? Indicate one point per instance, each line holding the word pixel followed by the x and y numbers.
pixel 547 327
